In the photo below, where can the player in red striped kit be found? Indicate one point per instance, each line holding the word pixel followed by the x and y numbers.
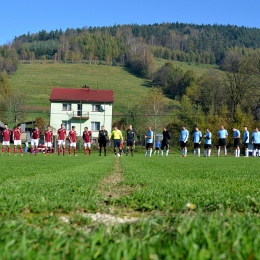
pixel 17 132
pixel 6 133
pixel 87 140
pixel 35 136
pixel 61 137
pixel 73 140
pixel 48 140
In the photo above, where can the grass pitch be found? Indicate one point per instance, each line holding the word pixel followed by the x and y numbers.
pixel 46 202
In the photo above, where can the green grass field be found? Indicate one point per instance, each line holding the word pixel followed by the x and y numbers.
pixel 198 68
pixel 46 202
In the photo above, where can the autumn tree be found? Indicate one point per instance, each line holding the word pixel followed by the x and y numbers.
pixel 189 78
pixel 168 77
pixel 208 92
pixel 5 92
pixel 39 121
pixel 239 79
pixel 153 109
pixel 16 107
pixel 5 88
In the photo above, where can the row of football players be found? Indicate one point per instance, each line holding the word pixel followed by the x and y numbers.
pixel 16 134
pixel 116 136
pixel 222 135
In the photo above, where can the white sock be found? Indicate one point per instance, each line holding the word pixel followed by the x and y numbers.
pixel 238 153
pixel 167 152
pixel 185 151
pixel 225 151
pixel 246 153
pixel 205 153
pixel 198 152
pixel 194 152
pixel 162 153
pixel 209 152
pixel 235 153
pixel 151 151
pixel 146 152
pixel 218 152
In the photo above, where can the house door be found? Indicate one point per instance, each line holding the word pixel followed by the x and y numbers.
pixel 79 111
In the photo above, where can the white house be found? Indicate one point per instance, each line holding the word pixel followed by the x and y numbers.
pixel 81 107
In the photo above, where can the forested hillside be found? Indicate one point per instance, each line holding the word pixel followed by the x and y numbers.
pixel 177 41
pixel 124 43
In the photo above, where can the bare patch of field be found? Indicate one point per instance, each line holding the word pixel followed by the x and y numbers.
pixel 111 185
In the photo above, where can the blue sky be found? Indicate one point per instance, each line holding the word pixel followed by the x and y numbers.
pixel 19 17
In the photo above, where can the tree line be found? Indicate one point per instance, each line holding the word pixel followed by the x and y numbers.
pixel 116 44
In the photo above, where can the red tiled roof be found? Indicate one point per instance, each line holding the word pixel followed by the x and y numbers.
pixel 82 95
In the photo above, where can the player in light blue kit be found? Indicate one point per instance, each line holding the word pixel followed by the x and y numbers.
pixel 208 143
pixel 184 135
pixel 256 141
pixel 222 135
pixel 197 135
pixel 246 140
pixel 157 147
pixel 149 141
pixel 236 141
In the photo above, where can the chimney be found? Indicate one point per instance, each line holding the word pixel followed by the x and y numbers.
pixel 85 87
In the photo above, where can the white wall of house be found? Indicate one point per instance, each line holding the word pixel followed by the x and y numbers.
pixel 92 115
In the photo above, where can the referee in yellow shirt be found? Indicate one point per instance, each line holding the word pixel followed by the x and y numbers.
pixel 117 137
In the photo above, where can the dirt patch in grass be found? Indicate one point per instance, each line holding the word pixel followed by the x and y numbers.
pixel 111 185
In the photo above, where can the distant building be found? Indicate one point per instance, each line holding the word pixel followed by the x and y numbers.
pixel 81 108
pixel 26 128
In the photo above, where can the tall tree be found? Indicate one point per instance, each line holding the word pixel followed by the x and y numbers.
pixel 5 92
pixel 5 88
pixel 208 92
pixel 240 79
pixel 15 104
pixel 153 107
pixel 168 77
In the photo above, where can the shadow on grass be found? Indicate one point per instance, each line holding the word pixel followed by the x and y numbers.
pixel 147 83
pixel 128 70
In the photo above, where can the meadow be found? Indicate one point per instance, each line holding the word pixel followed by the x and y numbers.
pixel 37 81
pixel 48 202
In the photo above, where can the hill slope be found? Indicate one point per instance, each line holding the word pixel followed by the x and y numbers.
pixel 37 80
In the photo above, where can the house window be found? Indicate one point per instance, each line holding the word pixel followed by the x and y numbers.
pixel 67 125
pixel 96 108
pixel 79 111
pixel 95 126
pixel 66 107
